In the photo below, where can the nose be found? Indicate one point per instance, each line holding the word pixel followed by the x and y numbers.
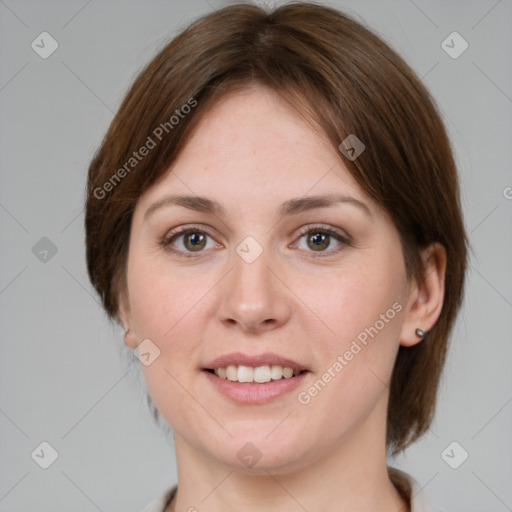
pixel 253 297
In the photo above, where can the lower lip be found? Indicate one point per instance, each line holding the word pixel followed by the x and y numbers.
pixel 254 392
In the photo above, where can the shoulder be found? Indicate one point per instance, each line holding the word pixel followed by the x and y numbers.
pixel 159 504
pixel 411 490
pixel 405 483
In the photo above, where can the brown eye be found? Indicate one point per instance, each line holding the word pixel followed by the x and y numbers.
pixel 194 241
pixel 318 241
pixel 322 241
pixel 185 242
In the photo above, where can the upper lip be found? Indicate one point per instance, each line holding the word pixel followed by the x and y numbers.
pixel 267 358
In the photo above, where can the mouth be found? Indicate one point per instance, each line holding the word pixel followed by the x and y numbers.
pixel 255 374
pixel 254 380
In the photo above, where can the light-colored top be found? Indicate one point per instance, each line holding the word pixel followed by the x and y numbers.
pixel 408 487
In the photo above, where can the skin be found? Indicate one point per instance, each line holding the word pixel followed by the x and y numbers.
pixel 251 152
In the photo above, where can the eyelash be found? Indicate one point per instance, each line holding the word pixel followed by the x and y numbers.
pixel 344 240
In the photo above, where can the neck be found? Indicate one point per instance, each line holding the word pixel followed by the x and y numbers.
pixel 352 476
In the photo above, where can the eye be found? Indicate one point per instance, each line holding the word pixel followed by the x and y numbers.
pixel 320 238
pixel 188 240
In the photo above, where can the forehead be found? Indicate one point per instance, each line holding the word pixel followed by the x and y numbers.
pixel 253 145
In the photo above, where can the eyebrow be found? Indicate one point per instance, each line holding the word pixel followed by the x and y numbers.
pixel 288 208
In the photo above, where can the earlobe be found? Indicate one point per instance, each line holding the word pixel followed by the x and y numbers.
pixel 426 298
pixel 130 340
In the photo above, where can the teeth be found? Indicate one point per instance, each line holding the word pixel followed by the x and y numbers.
pixel 287 373
pixel 231 372
pixel 261 374
pixel 245 373
pixel 276 371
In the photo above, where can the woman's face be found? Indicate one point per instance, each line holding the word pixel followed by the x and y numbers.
pixel 285 263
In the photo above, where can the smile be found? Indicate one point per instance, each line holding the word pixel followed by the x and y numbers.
pixel 258 374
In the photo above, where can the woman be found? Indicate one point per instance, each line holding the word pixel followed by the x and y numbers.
pixel 274 218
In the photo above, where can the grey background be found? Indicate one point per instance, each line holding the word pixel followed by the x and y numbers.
pixel 65 376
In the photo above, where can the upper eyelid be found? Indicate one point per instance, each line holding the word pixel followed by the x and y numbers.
pixel 323 227
pixel 179 231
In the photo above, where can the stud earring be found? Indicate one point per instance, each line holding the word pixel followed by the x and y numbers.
pixel 421 333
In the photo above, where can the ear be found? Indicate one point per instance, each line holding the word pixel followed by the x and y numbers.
pixel 130 340
pixel 425 300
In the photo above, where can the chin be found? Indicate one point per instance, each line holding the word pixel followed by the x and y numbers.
pixel 263 453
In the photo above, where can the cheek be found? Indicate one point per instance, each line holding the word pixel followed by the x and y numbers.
pixel 362 306
pixel 169 309
pixel 161 300
pixel 356 298
pixel 172 307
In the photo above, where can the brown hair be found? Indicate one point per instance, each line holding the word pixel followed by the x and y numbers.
pixel 343 78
